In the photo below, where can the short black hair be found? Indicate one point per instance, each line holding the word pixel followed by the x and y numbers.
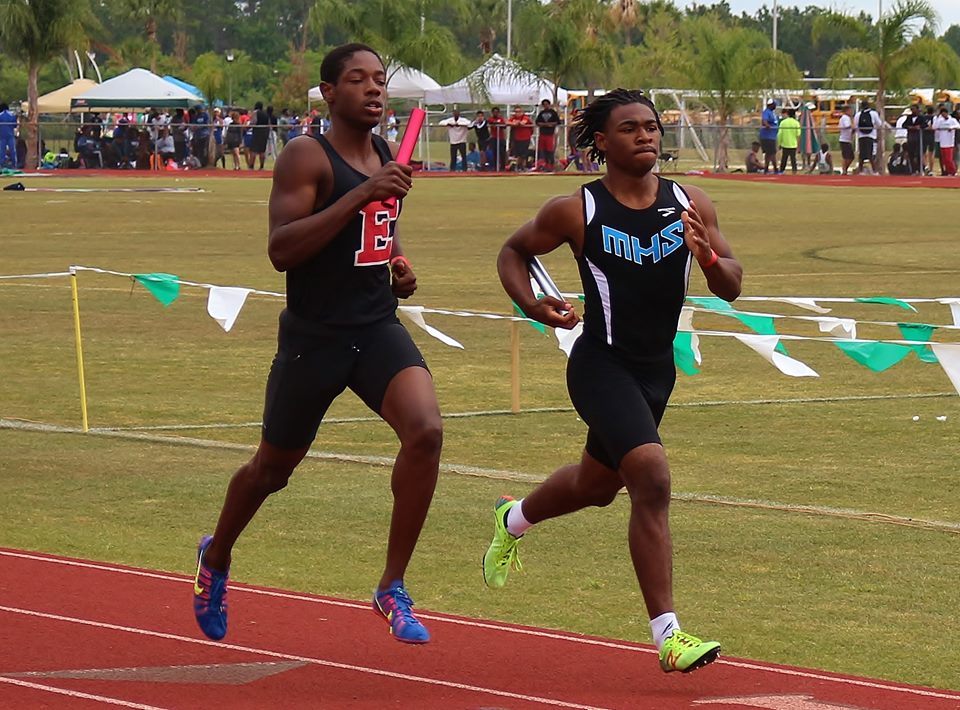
pixel 332 65
pixel 792 112
pixel 593 119
pixel 4 107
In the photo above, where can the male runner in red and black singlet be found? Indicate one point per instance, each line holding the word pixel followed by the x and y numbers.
pixel 333 212
pixel 634 235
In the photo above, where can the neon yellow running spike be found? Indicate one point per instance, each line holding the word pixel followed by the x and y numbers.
pixel 683 652
pixel 502 553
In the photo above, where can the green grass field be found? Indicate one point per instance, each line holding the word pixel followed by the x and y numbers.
pixel 766 559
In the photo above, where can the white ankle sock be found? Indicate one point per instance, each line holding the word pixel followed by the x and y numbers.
pixel 663 626
pixel 517 525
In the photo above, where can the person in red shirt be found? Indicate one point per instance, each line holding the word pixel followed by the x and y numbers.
pixel 498 137
pixel 521 130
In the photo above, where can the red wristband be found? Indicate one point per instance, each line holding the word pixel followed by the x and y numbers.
pixel 714 258
pixel 401 258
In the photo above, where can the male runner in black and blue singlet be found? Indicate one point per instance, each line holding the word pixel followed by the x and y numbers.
pixel 634 235
pixel 333 212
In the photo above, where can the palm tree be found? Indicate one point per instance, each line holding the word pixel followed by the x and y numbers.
pixel 400 30
pixel 569 42
pixel 730 65
pixel 890 49
pixel 625 15
pixel 36 32
pixel 150 12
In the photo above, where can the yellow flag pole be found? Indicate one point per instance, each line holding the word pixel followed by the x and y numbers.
pixel 79 344
pixel 515 367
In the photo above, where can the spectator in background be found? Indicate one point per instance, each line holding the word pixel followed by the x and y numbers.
pixel 547 121
pixel 260 123
pixel 271 133
pixel 928 140
pixel 899 162
pixel 498 138
pixel 521 130
pixel 866 122
pixel 219 155
pixel 753 158
pixel 482 131
pixel 768 135
pixel 457 128
pixel 946 127
pixel 166 147
pixel 121 144
pixel 96 126
pixel 824 164
pixel 233 138
pixel 393 125
pixel 178 132
pixel 473 157
pixel 788 137
pixel 913 125
pixel 200 141
pixel 8 138
pixel 846 138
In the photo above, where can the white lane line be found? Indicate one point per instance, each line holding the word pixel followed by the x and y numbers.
pixel 77 694
pixel 493 626
pixel 497 474
pixel 305 659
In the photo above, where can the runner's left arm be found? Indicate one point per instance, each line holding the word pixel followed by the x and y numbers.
pixel 703 237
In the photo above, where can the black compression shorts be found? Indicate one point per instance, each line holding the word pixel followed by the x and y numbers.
pixel 621 401
pixel 315 364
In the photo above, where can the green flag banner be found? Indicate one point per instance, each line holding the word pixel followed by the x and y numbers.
pixel 683 354
pixel 759 324
pixel 532 323
pixel 164 287
pixel 876 356
pixel 887 301
pixel 714 303
pixel 919 331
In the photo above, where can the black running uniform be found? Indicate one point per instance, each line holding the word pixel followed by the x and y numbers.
pixel 340 327
pixel 635 268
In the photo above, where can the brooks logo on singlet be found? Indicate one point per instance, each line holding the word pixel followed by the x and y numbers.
pixel 628 247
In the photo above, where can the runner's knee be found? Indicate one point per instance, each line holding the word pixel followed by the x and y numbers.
pixel 424 438
pixel 647 476
pixel 269 476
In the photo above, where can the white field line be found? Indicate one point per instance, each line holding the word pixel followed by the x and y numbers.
pixel 505 475
pixel 571 638
pixel 547 410
pixel 77 694
pixel 305 659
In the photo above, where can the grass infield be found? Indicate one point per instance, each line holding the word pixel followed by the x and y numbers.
pixel 809 587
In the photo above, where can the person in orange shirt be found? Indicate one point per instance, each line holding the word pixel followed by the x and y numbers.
pixel 521 130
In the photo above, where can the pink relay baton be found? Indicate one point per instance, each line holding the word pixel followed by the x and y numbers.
pixel 407 142
pixel 410 135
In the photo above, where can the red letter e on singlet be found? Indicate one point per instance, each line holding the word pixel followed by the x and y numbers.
pixel 376 237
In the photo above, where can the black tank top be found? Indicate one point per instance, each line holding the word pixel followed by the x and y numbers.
pixel 635 268
pixel 347 283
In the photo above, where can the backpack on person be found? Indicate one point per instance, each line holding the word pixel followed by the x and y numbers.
pixel 865 122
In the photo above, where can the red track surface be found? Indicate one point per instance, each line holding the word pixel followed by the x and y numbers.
pixel 61 615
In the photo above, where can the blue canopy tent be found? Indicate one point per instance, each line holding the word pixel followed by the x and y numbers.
pixel 184 85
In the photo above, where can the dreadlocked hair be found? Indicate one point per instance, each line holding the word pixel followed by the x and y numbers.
pixel 593 119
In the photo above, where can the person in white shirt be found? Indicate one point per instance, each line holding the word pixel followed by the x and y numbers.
pixel 846 138
pixel 457 129
pixel 945 126
pixel 866 122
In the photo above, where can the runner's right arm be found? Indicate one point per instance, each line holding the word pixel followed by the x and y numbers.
pixel 555 225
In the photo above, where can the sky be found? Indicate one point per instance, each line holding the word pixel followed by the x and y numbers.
pixel 949 10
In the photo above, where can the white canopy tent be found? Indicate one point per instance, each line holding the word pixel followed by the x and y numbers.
pixel 499 81
pixel 137 88
pixel 402 83
pixel 58 101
